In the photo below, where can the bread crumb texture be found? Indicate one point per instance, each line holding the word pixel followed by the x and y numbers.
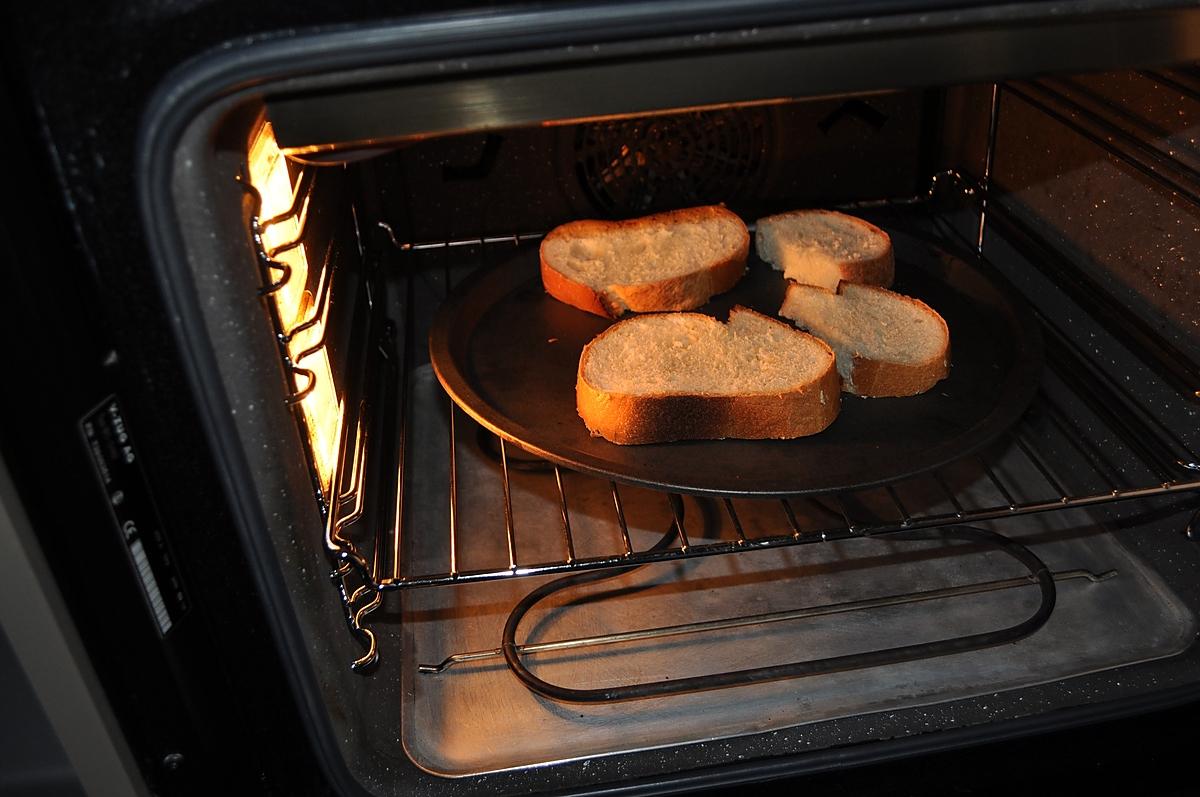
pixel 688 353
pixel 634 253
pixel 869 325
pixel 822 248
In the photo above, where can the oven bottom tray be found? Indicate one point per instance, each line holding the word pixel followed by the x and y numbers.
pixel 475 717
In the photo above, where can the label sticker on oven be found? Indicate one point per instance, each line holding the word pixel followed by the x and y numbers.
pixel 131 505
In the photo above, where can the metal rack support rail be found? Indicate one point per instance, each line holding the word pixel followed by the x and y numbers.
pixel 353 577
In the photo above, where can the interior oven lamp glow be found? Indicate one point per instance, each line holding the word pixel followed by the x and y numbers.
pixel 322 409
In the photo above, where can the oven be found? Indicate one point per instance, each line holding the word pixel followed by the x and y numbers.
pixel 286 496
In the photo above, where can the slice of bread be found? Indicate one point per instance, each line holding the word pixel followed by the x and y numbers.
pixel 886 344
pixel 686 376
pixel 668 261
pixel 824 247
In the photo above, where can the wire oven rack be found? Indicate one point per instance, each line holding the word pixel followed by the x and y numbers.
pixel 1116 448
pixel 1136 456
pixel 1165 464
pixel 344 502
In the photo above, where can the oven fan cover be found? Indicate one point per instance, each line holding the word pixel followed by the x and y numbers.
pixel 629 167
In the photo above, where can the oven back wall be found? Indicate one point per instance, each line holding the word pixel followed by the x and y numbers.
pixel 755 160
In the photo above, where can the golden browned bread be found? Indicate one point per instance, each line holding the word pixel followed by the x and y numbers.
pixel 824 248
pixel 668 261
pixel 686 376
pixel 886 344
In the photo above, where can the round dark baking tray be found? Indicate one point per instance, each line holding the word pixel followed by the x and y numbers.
pixel 507 353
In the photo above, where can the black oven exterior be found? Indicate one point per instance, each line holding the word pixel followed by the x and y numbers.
pixel 154 682
pixel 217 691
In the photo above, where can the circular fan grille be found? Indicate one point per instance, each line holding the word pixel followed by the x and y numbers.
pixel 632 166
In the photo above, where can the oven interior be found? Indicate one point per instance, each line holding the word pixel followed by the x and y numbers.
pixel 408 533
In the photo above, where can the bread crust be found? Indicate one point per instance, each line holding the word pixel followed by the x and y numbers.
pixel 876 379
pixel 683 292
pixel 574 293
pixel 879 270
pixel 880 378
pixel 633 419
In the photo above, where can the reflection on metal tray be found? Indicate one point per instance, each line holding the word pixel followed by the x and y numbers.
pixel 476 717
pixel 508 354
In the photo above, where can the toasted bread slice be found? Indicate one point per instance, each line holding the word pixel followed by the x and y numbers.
pixel 824 248
pixel 686 376
pixel 886 344
pixel 668 261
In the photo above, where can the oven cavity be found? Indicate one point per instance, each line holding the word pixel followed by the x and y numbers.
pixel 543 597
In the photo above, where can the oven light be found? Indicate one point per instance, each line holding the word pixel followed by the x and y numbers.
pixel 321 408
